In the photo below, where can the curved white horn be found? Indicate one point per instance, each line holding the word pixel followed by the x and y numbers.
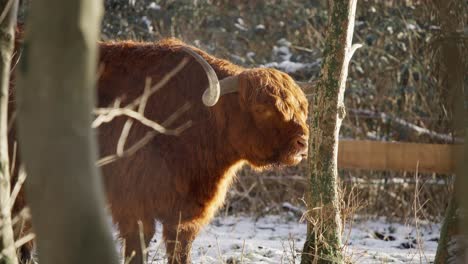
pixel 211 95
pixel 229 85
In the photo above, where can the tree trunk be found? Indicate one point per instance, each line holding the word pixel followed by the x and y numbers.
pixel 323 244
pixel 55 97
pixel 451 76
pixel 7 33
pixel 463 196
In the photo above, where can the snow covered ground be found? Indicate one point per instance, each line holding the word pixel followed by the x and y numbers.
pixel 279 239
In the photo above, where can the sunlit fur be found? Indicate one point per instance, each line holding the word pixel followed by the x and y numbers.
pixel 182 181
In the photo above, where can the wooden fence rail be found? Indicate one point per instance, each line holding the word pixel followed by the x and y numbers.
pixel 397 156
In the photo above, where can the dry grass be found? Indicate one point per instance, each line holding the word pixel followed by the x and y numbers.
pixel 387 194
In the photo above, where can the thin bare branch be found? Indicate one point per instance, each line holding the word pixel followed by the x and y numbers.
pixel 129 123
pixel 105 115
pixel 111 113
pixel 161 83
pixel 19 183
pixel 6 9
pixel 148 137
pixel 408 125
pixel 11 121
pixel 13 157
pixel 174 116
pixel 20 242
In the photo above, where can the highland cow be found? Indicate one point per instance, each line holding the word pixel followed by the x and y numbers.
pixel 251 116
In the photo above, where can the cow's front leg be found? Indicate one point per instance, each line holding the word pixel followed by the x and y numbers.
pixel 178 240
pixel 132 239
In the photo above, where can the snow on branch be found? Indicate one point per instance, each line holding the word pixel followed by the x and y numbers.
pixel 415 128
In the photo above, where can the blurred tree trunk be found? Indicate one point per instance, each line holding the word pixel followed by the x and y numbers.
pixel 55 96
pixel 323 244
pixel 8 10
pixel 451 76
pixel 463 196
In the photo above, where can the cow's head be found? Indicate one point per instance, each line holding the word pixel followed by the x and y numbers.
pixel 274 110
pixel 270 127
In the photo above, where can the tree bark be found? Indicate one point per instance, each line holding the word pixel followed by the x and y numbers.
pixel 451 248
pixel 8 11
pixel 323 244
pixel 55 97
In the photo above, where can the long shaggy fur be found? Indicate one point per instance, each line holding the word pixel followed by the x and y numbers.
pixel 182 180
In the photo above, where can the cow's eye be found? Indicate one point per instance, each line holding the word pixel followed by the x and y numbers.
pixel 262 111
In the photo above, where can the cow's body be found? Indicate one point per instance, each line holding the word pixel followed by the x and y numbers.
pixel 182 180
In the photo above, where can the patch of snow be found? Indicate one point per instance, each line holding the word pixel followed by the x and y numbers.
pixel 237 59
pixel 260 27
pixel 283 52
pixel 390 29
pixel 288 66
pixel 240 24
pixel 359 23
pixel 251 56
pixel 240 27
pixel 284 42
pixel 291 208
pixel 275 239
pixel 412 26
pixel 154 6
pixel 147 23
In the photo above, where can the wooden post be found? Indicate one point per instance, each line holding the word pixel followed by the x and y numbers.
pixel 55 98
pixel 323 244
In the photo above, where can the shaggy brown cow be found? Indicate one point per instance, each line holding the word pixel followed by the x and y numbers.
pixel 260 120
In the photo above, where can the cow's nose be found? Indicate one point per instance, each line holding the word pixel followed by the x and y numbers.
pixel 301 143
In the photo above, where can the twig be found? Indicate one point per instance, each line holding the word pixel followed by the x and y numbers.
pixel 105 115
pixel 5 10
pixel 109 114
pixel 148 137
pixel 144 249
pixel 130 258
pixel 219 252
pixel 13 161
pixel 18 185
pixel 128 152
pixel 161 83
pixel 138 100
pixel 128 124
pixel 417 206
pixel 303 49
pixel 242 253
pixel 351 51
pixel 174 254
pixel 25 239
pixel 11 121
